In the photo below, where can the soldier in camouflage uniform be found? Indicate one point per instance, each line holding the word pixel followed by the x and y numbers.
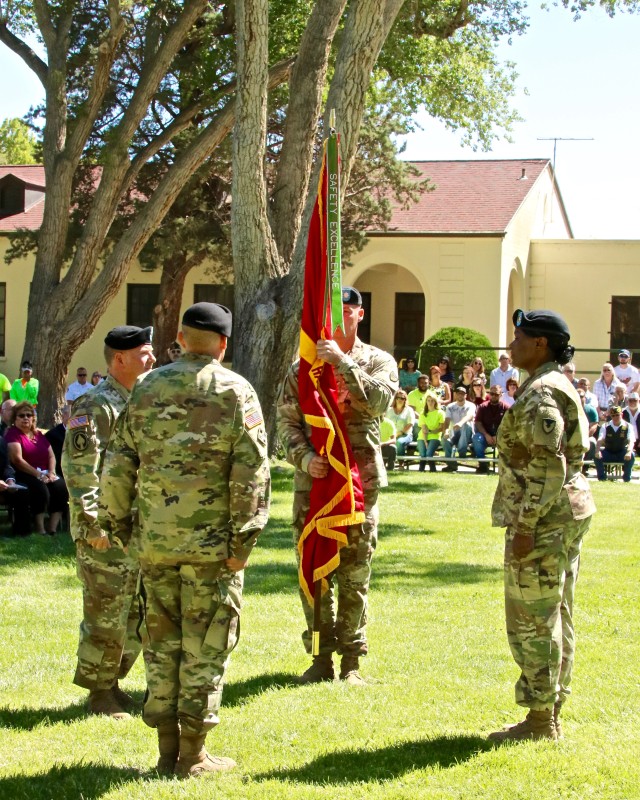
pixel 545 503
pixel 367 379
pixel 109 642
pixel 191 448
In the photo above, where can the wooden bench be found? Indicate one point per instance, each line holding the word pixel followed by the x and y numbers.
pixel 404 462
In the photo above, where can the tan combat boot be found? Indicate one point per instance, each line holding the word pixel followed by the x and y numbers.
pixel 536 725
pixel 349 671
pixel 168 746
pixel 556 718
pixel 124 699
pixel 320 670
pixel 194 759
pixel 103 701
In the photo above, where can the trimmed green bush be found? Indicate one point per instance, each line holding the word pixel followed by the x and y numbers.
pixel 461 345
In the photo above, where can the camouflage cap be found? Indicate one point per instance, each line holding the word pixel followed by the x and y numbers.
pixel 541 322
pixel 615 410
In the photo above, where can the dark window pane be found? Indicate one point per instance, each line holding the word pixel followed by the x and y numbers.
pixel 625 325
pixel 142 298
pixel 409 324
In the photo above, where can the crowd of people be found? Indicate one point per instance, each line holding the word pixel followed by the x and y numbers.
pixel 447 418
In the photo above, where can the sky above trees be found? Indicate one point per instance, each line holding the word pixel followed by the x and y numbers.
pixel 581 82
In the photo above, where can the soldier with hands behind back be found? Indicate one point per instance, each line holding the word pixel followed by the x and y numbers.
pixel 191 451
pixel 109 641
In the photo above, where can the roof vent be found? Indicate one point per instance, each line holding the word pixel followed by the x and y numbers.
pixel 523 177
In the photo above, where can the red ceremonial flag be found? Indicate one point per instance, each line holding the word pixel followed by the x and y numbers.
pixel 337 500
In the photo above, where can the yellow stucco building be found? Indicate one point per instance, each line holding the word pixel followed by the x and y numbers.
pixel 491 237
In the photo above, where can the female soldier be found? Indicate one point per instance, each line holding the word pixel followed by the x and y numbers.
pixel 545 503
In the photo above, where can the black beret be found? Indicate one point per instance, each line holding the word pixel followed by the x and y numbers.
pixel 351 296
pixel 208 317
pixel 541 322
pixel 126 337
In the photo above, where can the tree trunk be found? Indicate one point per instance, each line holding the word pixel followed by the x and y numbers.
pixel 166 315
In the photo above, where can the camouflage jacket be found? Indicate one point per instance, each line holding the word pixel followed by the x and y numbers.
pixel 541 442
pixel 191 448
pixel 367 379
pixel 93 418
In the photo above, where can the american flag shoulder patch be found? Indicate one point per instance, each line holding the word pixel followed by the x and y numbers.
pixel 253 418
pixel 78 422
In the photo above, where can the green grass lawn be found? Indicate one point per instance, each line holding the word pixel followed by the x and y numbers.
pixel 441 675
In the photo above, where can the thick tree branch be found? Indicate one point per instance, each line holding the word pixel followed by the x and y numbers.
pixel 20 48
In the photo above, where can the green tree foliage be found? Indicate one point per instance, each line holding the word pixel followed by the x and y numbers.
pixel 461 345
pixel 18 144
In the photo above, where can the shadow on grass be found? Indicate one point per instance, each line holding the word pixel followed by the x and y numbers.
pixel 398 484
pixel 235 694
pixel 384 764
pixel 32 550
pixel 426 574
pixel 27 719
pixel 86 780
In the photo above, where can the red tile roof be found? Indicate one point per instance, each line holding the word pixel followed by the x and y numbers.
pixel 477 197
pixel 31 218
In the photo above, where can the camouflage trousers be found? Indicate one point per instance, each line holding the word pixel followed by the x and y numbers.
pixel 539 593
pixel 343 625
pixel 192 625
pixel 109 632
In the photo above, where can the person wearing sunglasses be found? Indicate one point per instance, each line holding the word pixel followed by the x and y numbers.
pixel 605 389
pixel 35 465
pixel 79 386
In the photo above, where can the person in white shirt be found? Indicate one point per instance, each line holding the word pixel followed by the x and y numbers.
pixel 501 374
pixel 626 372
pixel 605 388
pixel 79 386
pixel 459 415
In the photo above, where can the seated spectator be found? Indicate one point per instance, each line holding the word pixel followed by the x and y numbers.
pixel 626 373
pixel 25 388
pixel 631 414
pixel 478 393
pixel 604 389
pixel 478 369
pixel 409 374
pixel 174 352
pixel 438 387
pixel 96 377
pixel 589 397
pixel 5 386
pixel 466 379
pixel 615 445
pixel 79 386
pixel 509 397
pixel 35 464
pixel 416 400
pixel 619 398
pixel 55 436
pixel 13 496
pixel 501 374
pixel 388 442
pixel 459 417
pixel 488 418
pixel 402 416
pixel 592 418
pixel 432 426
pixel 569 371
pixel 446 373
pixel 5 415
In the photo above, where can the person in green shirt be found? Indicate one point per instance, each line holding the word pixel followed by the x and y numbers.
pixel 26 387
pixel 432 424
